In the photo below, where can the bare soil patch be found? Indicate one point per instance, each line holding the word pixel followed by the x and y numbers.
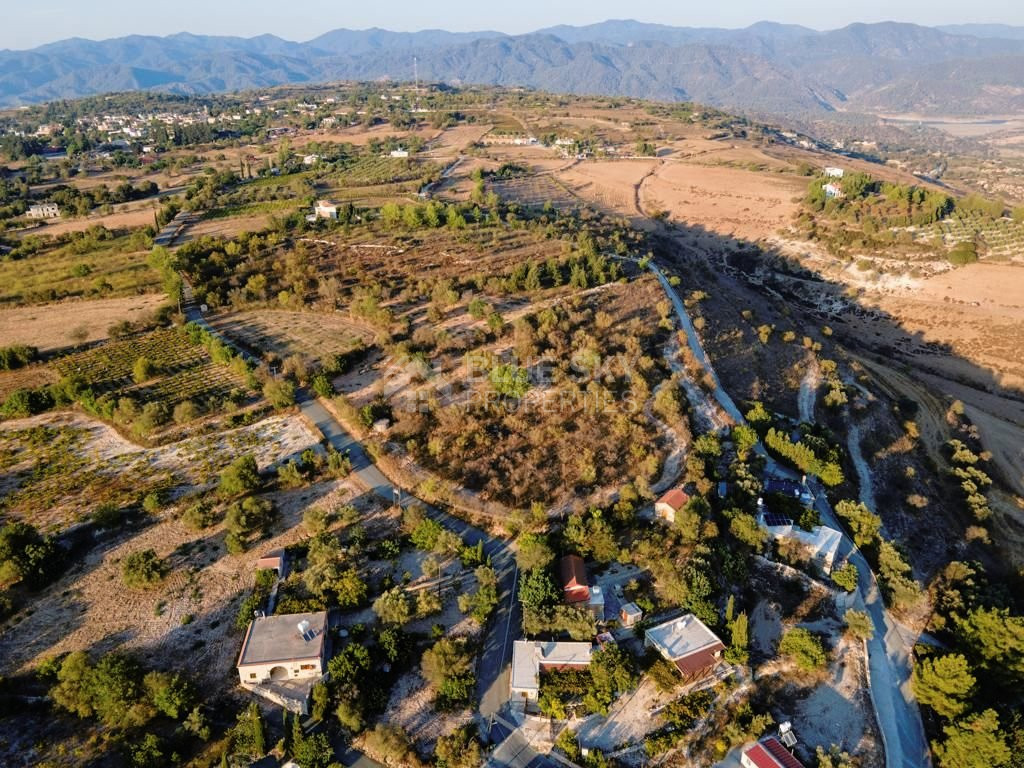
pixel 313 336
pixel 48 326
pixel 727 201
pixel 610 185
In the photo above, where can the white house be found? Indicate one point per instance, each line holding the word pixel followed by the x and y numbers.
pixel 668 506
pixel 832 190
pixel 689 644
pixel 325 209
pixel 530 657
pixel 44 211
pixel 821 542
pixel 310 159
pixel 833 173
pixel 399 152
pixel 278 649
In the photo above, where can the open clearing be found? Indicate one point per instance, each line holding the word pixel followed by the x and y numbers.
pixel 610 185
pixel 313 336
pixel 727 201
pixel 49 326
pixel 966 324
pixel 98 465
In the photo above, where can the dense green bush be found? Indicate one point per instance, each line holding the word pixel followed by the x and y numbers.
pixel 804 648
pixel 143 569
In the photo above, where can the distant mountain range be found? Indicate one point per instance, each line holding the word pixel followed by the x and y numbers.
pixel 768 68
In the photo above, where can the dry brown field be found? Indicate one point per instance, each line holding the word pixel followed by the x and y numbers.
pixel 610 185
pixel 49 326
pixel 726 201
pixel 120 219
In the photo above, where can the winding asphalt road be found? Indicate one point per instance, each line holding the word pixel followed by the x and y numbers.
pixel 889 663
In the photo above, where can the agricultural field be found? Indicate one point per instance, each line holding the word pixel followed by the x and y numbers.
pixel 999 239
pixel 535 192
pixel 94 264
pixel 373 171
pixel 182 371
pixel 279 334
pixel 51 327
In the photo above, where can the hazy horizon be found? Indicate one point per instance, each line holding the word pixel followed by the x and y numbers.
pixel 47 21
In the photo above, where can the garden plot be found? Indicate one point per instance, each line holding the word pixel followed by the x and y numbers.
pixel 316 337
pixel 58 468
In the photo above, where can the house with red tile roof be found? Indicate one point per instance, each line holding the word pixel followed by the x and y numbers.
pixel 575 587
pixel 669 505
pixel 769 753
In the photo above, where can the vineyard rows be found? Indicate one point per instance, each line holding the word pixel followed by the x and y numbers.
pixel 183 371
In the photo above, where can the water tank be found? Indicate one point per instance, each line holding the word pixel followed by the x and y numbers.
pixel 303 627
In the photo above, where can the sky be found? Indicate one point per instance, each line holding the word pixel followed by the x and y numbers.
pixel 28 23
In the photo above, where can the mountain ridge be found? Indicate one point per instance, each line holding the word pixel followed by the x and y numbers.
pixel 766 67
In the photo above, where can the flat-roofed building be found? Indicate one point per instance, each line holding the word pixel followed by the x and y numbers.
pixel 286 647
pixel 43 211
pixel 531 657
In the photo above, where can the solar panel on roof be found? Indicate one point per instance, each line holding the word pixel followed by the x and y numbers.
pixel 774 519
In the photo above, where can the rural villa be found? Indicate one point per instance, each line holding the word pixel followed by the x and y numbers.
pixel 689 644
pixel 282 657
pixel 669 505
pixel 531 657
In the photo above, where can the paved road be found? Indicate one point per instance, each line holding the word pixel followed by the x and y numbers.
pixel 896 709
pixel 890 666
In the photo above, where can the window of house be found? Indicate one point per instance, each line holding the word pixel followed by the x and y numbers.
pixel 308 666
pixel 252 675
